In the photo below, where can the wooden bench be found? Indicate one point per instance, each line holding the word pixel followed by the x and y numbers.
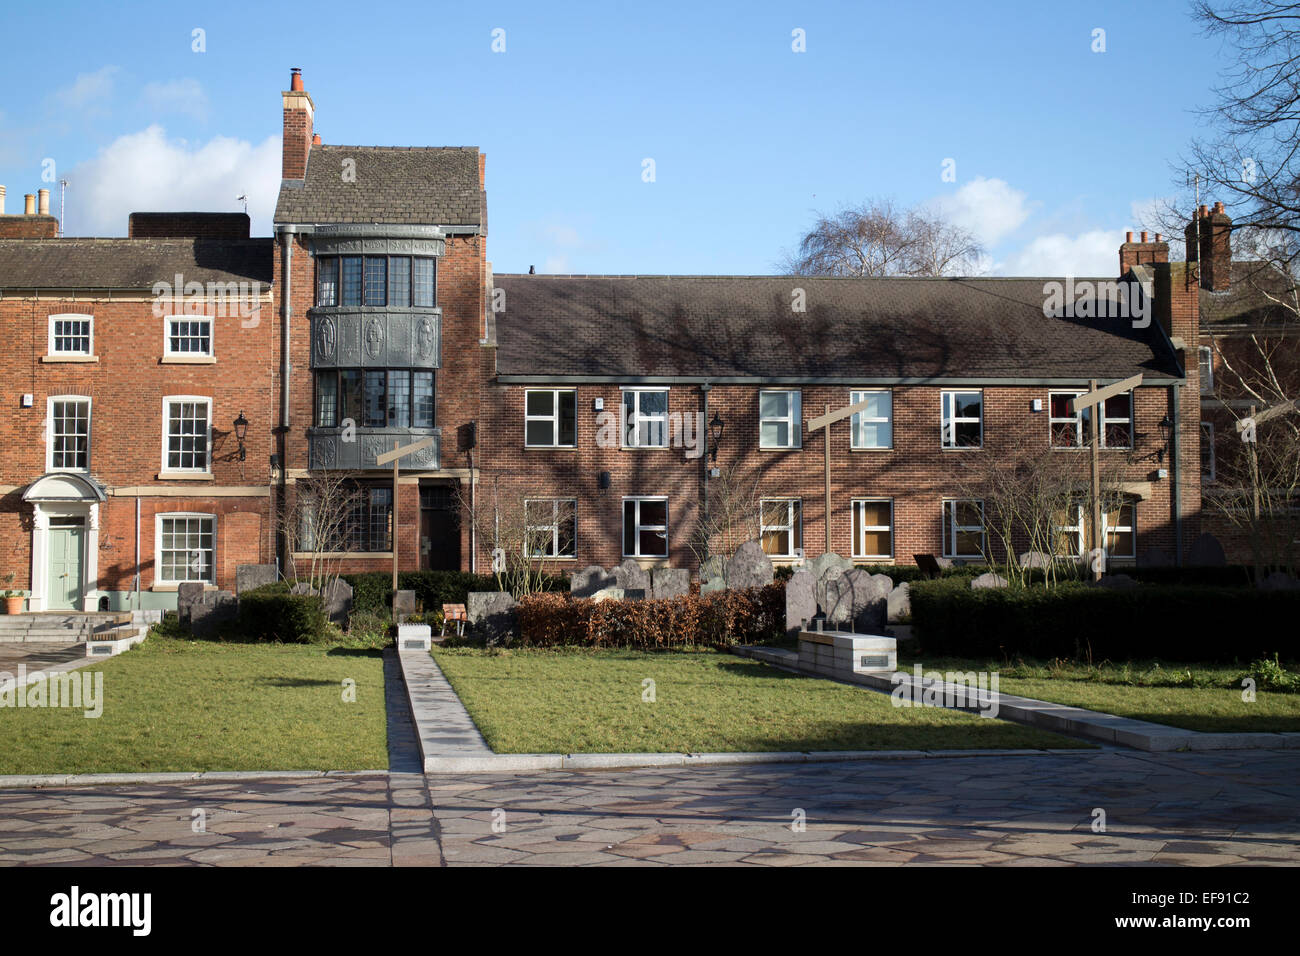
pixel 457 613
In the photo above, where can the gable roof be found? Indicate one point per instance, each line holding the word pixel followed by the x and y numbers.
pixel 740 327
pixel 403 185
pixel 1247 300
pixel 131 263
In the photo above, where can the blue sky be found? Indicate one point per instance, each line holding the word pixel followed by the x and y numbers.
pixel 1057 149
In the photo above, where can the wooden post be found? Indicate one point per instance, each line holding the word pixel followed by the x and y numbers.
pixel 827 436
pixel 393 536
pixel 1096 479
pixel 1254 475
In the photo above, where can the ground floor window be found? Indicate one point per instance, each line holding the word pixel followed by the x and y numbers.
pixel 645 527
pixel 963 528
pixel 873 528
pixel 186 549
pixel 782 534
pixel 352 518
pixel 1118 525
pixel 552 527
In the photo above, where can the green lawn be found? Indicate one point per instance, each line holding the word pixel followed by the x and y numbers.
pixel 579 700
pixel 1205 697
pixel 176 704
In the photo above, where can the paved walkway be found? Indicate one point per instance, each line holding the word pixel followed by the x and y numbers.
pixel 1184 808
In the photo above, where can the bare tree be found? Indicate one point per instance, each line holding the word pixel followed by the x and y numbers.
pixel 525 534
pixel 325 511
pixel 877 238
pixel 732 514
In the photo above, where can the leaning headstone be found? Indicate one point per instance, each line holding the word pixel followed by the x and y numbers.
pixel 492 615
pixel 988 580
pixel 338 600
pixel 800 603
pixel 188 594
pixel 899 602
pixel 1279 581
pixel 405 605
pixel 669 583
pixel 824 568
pixel 609 594
pixel 713 574
pixel 857 600
pixel 217 608
pixel 1035 559
pixel 589 580
pixel 1155 558
pixel 749 567
pixel 1206 552
pixel 630 576
pixel 249 576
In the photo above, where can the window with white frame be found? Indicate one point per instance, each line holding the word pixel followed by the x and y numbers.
pixel 1074 429
pixel 68 445
pixel 552 527
pixel 72 334
pixel 1205 364
pixel 780 422
pixel 645 527
pixel 874 427
pixel 963 419
pixel 645 418
pixel 187 421
pixel 1207 451
pixel 1074 531
pixel 873 527
pixel 185 548
pixel 963 528
pixel 189 335
pixel 781 531
pixel 550 418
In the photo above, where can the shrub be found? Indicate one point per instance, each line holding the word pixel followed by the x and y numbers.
pixel 271 613
pixel 715 619
pixel 1076 621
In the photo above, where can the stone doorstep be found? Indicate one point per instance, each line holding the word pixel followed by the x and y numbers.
pixel 1073 721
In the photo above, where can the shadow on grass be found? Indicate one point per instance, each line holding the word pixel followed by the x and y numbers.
pixel 296 682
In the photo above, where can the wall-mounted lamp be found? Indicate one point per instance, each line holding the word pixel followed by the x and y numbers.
pixel 1166 433
pixel 715 435
pixel 241 432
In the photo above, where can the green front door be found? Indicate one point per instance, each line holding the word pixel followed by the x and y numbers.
pixel 65 566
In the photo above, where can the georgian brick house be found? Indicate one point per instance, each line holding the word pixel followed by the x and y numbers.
pixel 379 322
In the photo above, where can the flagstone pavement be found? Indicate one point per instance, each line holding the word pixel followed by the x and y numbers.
pixel 1225 807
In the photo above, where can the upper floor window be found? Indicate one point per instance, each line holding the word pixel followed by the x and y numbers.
pixel 963 528
pixel 186 433
pixel 963 419
pixel 185 548
pixel 1205 365
pixel 873 428
pixel 552 527
pixel 645 527
pixel 780 422
pixel 375 398
pixel 1074 429
pixel 645 418
pixel 376 281
pixel 68 447
pixel 188 335
pixel 1207 451
pixel 782 534
pixel 72 334
pixel 873 528
pixel 550 418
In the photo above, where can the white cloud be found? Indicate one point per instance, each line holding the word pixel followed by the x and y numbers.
pixel 89 92
pixel 989 209
pixel 176 96
pixel 146 171
pixel 1093 253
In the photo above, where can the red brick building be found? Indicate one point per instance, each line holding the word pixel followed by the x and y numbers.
pixel 372 319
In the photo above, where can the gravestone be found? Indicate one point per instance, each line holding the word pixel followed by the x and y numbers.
pixel 749 567
pixel 857 600
pixel 216 608
pixel 1119 581
pixel 630 576
pixel 188 594
pixel 899 602
pixel 302 587
pixel 249 576
pixel 492 615
pixel 589 580
pixel 1206 552
pixel 824 568
pixel 713 574
pixel 1035 559
pixel 338 601
pixel 669 583
pixel 405 605
pixel 609 594
pixel 988 580
pixel 800 603
pixel 928 564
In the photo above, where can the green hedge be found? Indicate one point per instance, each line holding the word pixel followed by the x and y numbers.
pixel 373 590
pixel 1167 622
pixel 271 613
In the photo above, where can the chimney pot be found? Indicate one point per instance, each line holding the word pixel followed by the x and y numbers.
pixel 1218 207
pixel 2 200
pixel 29 205
pixel 1157 237
pixel 315 139
pixel 295 78
pixel 1128 236
pixel 1144 235
pixel 44 202
pixel 1204 210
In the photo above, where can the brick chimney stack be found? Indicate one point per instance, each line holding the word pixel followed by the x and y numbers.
pixel 1209 245
pixel 299 115
pixel 1140 253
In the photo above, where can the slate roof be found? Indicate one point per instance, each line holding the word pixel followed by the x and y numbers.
pixel 853 329
pixel 131 263
pixel 411 186
pixel 1246 300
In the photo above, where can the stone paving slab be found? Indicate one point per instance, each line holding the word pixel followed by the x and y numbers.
pixel 1182 809
pixel 443 726
pixel 1046 715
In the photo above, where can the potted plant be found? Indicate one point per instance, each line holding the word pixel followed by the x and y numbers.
pixel 13 599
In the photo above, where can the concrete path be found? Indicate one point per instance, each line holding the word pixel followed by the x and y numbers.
pixel 443 726
pixel 1183 809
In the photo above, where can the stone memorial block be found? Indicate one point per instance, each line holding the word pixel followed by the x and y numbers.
pixel 589 580
pixel 609 594
pixel 630 576
pixel 249 576
pixel 800 603
pixel 1035 559
pixel 669 583
pixel 188 593
pixel 823 568
pixel 338 600
pixel 492 615
pixel 216 608
pixel 749 567
pixel 857 600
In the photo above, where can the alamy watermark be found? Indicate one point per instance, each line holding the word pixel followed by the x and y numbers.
pixel 242 300
pixel 961 690
pixel 1098 299
pixel 77 690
